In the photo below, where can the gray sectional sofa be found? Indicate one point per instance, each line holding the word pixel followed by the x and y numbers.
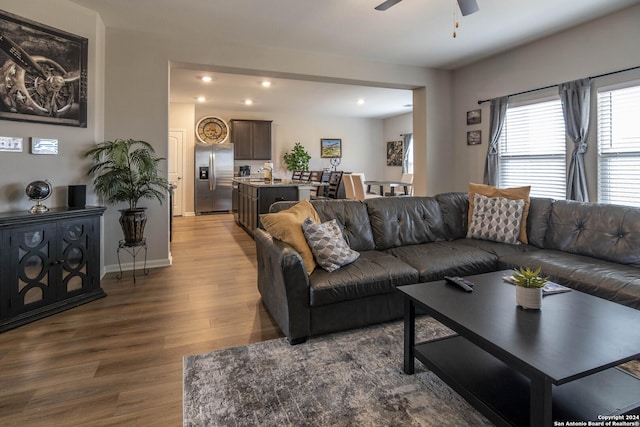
pixel 590 247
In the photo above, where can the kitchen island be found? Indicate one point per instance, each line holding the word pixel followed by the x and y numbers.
pixel 255 195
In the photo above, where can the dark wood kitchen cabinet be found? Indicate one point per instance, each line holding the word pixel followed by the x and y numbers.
pixel 49 262
pixel 251 139
pixel 254 200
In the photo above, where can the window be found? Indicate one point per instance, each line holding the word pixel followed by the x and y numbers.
pixel 409 157
pixel 619 146
pixel 532 149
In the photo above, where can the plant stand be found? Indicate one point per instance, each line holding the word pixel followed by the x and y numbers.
pixel 133 249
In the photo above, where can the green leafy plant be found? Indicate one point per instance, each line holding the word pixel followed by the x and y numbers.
pixel 528 278
pixel 126 170
pixel 297 159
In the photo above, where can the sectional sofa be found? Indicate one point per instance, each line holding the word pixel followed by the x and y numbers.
pixel 590 247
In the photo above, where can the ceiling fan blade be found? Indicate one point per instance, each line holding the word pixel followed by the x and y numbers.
pixel 467 7
pixel 387 4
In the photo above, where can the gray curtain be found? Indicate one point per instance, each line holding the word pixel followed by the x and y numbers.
pixel 496 121
pixel 406 140
pixel 576 103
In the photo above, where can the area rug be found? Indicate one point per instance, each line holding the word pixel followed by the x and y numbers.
pixel 352 378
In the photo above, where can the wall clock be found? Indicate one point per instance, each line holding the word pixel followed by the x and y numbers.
pixel 212 130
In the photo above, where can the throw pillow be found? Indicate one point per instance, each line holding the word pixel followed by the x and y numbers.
pixel 516 193
pixel 497 219
pixel 327 243
pixel 286 226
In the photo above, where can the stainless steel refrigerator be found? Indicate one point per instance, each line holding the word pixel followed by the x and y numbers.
pixel 214 176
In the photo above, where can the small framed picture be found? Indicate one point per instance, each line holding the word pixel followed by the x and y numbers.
pixel 474 137
pixel 474 117
pixel 330 148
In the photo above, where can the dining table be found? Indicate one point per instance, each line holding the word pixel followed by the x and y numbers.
pixel 391 184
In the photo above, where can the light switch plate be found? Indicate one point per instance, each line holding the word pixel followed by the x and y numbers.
pixel 8 143
pixel 44 146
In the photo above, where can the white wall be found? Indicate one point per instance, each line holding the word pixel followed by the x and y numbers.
pixel 69 166
pixel 604 45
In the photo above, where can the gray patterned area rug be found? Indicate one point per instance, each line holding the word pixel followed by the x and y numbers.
pixel 351 378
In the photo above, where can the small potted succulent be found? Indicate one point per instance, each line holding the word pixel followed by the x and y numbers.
pixel 529 286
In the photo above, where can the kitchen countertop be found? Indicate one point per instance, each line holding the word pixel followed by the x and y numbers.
pixel 261 182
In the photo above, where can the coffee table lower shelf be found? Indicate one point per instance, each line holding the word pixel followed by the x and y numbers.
pixel 502 394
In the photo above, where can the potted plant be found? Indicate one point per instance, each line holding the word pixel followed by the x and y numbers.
pixel 126 170
pixel 297 159
pixel 529 286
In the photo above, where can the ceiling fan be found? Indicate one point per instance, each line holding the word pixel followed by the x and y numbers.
pixel 467 7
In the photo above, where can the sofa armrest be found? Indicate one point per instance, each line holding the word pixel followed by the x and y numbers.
pixel 284 286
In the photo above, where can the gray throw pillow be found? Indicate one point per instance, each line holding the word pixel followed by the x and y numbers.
pixel 327 244
pixel 497 219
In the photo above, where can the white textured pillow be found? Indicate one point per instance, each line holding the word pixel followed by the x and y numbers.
pixel 327 243
pixel 497 219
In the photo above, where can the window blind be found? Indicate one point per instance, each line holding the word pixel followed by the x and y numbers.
pixel 619 146
pixel 532 149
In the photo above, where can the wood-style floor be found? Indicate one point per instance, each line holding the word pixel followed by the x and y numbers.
pixel 118 360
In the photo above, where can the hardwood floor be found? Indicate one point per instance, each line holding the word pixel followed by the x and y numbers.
pixel 118 360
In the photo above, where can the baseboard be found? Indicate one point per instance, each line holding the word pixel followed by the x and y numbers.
pixel 188 214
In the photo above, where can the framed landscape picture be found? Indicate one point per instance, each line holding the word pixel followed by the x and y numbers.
pixel 43 73
pixel 330 147
pixel 474 117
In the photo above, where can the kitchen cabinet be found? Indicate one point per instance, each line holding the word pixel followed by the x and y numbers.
pixel 251 139
pixel 49 262
pixel 255 199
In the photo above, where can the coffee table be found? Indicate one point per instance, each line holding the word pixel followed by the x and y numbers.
pixel 524 367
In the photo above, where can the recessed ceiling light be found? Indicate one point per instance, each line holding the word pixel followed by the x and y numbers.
pixel 266 83
pixel 360 101
pixel 248 102
pixel 201 99
pixel 206 79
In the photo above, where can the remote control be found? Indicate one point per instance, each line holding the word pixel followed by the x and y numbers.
pixel 460 282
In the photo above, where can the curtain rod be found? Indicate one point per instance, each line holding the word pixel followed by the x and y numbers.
pixel 482 101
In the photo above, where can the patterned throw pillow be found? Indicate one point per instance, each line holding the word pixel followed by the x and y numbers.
pixel 327 243
pixel 497 219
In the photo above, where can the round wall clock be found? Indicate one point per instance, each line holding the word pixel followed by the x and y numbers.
pixel 212 130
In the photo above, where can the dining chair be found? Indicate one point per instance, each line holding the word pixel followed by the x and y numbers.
pixel 359 187
pixel 315 176
pixel 296 175
pixel 408 177
pixel 349 191
pixel 305 175
pixel 335 177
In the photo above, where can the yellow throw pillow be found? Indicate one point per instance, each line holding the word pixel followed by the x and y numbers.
pixel 286 225
pixel 516 193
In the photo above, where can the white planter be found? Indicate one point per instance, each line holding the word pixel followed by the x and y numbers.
pixel 529 298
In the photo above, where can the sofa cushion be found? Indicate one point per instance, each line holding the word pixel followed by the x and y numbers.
pixel 496 219
pixel 329 248
pixel 604 279
pixel 516 193
pixel 438 259
pixel 495 248
pixel 400 221
pixel 373 273
pixel 454 208
pixel 538 220
pixel 607 232
pixel 286 226
pixel 353 219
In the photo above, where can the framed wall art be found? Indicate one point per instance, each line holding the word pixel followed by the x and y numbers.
pixel 330 148
pixel 43 73
pixel 474 137
pixel 474 117
pixel 395 153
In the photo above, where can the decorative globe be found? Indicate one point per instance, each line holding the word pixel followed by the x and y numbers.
pixel 39 190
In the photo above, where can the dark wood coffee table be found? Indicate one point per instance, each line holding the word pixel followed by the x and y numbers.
pixel 522 367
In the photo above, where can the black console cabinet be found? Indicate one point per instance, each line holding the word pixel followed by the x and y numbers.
pixel 49 262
